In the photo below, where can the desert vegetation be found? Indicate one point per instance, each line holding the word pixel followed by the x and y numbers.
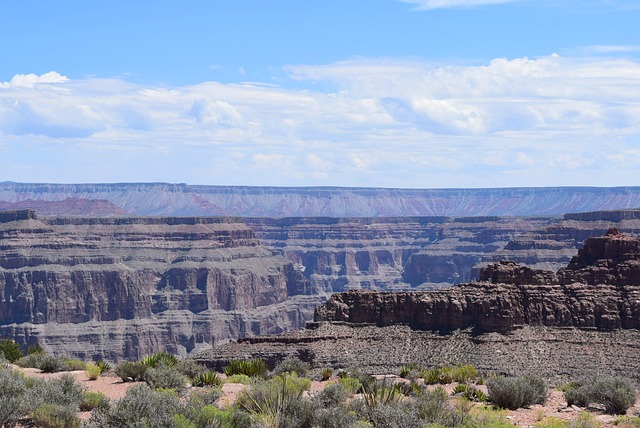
pixel 182 393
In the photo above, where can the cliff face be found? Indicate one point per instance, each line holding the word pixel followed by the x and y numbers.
pixel 390 253
pixel 600 288
pixel 518 320
pixel 201 277
pixel 184 200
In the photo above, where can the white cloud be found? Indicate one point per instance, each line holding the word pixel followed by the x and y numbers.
pixel 446 4
pixel 388 122
pixel 29 80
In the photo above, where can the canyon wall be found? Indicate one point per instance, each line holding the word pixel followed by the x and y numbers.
pixel 125 287
pixel 164 199
pixel 517 320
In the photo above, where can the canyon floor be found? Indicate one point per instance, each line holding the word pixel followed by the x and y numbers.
pixel 555 407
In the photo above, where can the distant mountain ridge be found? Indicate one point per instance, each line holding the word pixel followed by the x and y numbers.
pixel 165 199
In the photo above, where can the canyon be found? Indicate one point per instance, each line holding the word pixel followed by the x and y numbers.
pixel 582 320
pixel 121 287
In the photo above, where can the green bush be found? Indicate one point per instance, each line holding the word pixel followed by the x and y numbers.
pixel 464 373
pixel 350 384
pixel 12 396
pixel 32 361
pixel 332 396
pixel 163 376
pixel 381 393
pixel 292 365
pixel 271 402
pixel 432 375
pixel 140 407
pixel 103 365
pixel 93 372
pixel 50 415
pixel 475 394
pixel 207 379
pixel 614 393
pixel 627 422
pixel 64 391
pixel 11 350
pixel 130 371
pixel 93 400
pixel 164 358
pixel 51 364
pixel 551 423
pixel 190 368
pixel 35 349
pixel 517 392
pixel 251 368
pixel 239 378
pixel 71 365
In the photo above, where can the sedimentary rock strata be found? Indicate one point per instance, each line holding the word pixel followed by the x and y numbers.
pixel 516 320
pixel 125 287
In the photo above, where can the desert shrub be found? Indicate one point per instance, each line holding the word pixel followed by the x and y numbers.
pixel 51 364
pixel 292 365
pixel 207 379
pixel 614 393
pixel 64 391
pixel 35 349
pixel 381 393
pixel 269 402
pixel 140 407
pixel 71 364
pixel 459 389
pixel 394 415
pixel 190 368
pixel 12 399
pixel 50 415
pixel 337 417
pixel 517 392
pixel 163 376
pixel 551 423
pixel 331 396
pixel 239 378
pixel 474 394
pixel 251 368
pixel 432 375
pixel 158 358
pixel 326 374
pixel 32 361
pixel 627 422
pixel 93 372
pixel 205 397
pixel 130 371
pixel 410 371
pixel 464 373
pixel 350 384
pixel 93 400
pixel 584 420
pixel 103 366
pixel 11 350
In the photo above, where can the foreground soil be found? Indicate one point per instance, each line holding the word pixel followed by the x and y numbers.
pixel 556 406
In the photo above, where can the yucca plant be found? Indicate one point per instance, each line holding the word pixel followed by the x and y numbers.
pixel 103 366
pixel 380 394
pixel 158 358
pixel 207 379
pixel 251 368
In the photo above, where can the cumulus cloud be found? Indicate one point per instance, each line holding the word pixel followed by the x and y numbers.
pixel 387 122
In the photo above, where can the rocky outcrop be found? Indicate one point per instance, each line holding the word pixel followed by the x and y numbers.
pixel 125 287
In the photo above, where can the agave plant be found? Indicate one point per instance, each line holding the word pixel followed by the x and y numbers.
pixel 164 358
pixel 207 379
pixel 381 393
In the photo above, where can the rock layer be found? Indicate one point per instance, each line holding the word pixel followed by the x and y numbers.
pixel 125 287
pixel 517 320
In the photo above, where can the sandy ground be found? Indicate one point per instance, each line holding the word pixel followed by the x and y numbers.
pixel 556 406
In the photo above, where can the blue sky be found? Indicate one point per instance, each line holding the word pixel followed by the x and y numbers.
pixel 386 93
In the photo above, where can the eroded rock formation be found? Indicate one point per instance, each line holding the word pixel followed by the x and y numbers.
pixel 126 287
pixel 516 320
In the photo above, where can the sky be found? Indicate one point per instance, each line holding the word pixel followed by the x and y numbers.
pixel 358 93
